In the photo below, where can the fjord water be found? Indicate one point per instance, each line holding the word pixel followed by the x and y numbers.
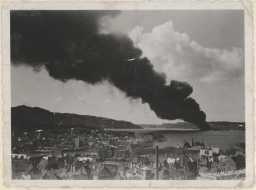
pixel 223 139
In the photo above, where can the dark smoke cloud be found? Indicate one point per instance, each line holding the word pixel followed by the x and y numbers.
pixel 70 46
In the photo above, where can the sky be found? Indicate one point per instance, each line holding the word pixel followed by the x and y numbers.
pixel 204 48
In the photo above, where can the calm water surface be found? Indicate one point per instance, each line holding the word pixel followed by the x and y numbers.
pixel 222 139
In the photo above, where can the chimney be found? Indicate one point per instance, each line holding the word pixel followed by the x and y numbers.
pixel 157 163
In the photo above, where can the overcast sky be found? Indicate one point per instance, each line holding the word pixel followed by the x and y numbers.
pixel 204 48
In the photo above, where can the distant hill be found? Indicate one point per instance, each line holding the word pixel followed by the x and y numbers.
pixel 227 125
pixel 215 125
pixel 179 125
pixel 30 118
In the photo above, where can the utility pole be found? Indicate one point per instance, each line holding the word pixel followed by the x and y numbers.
pixel 157 163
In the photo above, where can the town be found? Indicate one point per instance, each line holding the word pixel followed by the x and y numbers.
pixel 85 154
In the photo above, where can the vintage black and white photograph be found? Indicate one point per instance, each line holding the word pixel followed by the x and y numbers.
pixel 127 94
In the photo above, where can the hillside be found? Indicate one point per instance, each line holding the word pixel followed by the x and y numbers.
pixel 214 125
pixel 30 118
pixel 179 125
pixel 226 125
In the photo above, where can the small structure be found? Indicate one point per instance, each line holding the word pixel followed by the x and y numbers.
pixel 205 152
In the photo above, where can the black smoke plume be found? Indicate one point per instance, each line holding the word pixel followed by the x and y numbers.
pixel 69 45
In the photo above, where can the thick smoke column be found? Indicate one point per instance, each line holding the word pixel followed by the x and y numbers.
pixel 70 46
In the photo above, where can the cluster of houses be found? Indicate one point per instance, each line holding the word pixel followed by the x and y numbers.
pixel 104 155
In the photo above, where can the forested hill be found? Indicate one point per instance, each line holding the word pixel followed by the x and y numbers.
pixel 27 118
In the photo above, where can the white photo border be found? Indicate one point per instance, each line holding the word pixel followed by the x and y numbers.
pixel 129 5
